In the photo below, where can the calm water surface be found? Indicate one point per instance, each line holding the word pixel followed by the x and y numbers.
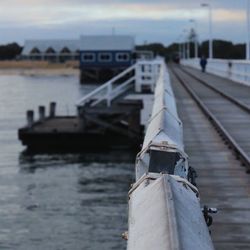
pixel 55 202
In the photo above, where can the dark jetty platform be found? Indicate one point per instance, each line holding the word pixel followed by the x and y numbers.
pixel 111 117
pixel 95 128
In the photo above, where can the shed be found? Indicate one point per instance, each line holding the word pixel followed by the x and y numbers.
pixel 106 51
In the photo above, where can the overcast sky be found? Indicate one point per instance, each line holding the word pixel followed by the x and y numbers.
pixel 149 21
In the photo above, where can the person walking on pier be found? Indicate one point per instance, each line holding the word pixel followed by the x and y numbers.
pixel 203 63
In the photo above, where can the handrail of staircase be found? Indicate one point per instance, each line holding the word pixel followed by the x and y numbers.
pixel 113 93
pixel 109 86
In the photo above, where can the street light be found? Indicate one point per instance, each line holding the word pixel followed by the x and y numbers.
pixel 196 39
pixel 248 31
pixel 188 46
pixel 206 5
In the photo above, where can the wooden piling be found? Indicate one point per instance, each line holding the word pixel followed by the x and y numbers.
pixel 30 118
pixel 41 112
pixel 52 109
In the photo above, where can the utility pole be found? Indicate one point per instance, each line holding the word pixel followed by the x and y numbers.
pixel 184 44
pixel 196 38
pixel 248 32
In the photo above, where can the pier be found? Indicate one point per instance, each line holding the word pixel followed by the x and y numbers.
pixel 190 124
pixel 164 207
pixel 114 114
pixel 215 114
pixel 125 125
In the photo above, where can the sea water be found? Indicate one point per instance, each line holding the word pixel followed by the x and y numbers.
pixel 56 202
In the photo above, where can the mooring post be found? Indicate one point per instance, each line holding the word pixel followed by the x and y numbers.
pixel 30 118
pixel 52 109
pixel 41 111
pixel 81 118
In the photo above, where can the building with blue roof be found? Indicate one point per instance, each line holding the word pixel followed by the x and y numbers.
pixel 102 57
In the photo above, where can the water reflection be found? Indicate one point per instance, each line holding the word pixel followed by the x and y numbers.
pixel 88 198
pixel 29 161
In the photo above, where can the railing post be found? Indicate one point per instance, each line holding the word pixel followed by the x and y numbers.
pixel 155 75
pixel 246 73
pixel 138 75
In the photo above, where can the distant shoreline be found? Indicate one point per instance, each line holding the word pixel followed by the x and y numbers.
pixel 39 68
pixel 40 72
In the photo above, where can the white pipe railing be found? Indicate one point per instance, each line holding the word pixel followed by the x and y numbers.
pixel 105 91
pixel 235 70
pixel 112 92
pixel 164 207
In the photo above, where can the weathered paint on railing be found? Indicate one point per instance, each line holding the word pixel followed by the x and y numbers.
pixel 164 214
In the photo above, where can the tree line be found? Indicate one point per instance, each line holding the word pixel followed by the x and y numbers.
pixel 222 49
pixel 10 51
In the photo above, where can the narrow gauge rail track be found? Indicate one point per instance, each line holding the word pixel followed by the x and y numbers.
pixel 227 96
pixel 223 132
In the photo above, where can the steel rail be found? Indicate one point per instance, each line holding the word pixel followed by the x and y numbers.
pixel 240 153
pixel 227 96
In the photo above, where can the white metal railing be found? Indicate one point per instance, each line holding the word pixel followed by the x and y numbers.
pixel 108 91
pixel 147 73
pixel 236 70
pixel 143 73
pixel 164 128
pixel 164 207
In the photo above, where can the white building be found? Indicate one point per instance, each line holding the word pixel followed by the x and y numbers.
pixel 51 50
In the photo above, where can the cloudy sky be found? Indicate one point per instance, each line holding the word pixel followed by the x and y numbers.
pixel 148 20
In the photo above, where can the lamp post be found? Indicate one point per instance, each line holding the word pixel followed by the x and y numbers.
pixel 184 49
pixel 196 39
pixel 210 29
pixel 180 46
pixel 248 31
pixel 188 47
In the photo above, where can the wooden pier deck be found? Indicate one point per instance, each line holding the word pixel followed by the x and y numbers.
pixel 222 180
